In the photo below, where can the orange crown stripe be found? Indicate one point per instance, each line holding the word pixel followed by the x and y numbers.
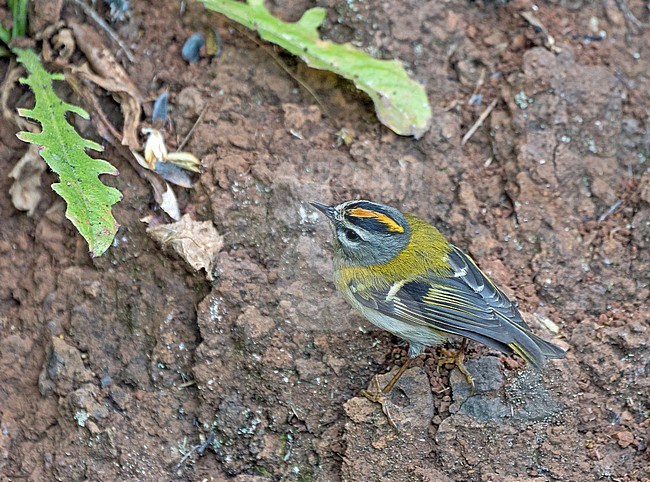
pixel 382 218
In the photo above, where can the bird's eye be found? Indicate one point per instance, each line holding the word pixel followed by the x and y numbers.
pixel 351 235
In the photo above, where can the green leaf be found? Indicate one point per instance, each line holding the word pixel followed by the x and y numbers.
pixel 5 35
pixel 19 16
pixel 400 102
pixel 89 201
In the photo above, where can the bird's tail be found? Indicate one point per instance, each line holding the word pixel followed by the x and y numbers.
pixel 534 349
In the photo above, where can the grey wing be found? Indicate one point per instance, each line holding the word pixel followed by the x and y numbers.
pixel 464 268
pixel 527 344
pixel 465 304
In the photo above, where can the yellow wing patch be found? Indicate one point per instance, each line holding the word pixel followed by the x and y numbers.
pixel 391 225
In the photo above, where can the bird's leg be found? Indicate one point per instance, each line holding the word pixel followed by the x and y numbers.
pixel 457 357
pixel 378 394
pixel 389 386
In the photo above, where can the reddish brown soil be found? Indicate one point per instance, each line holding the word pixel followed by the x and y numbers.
pixel 97 356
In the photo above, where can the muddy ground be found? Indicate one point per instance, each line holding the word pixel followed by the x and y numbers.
pixel 116 367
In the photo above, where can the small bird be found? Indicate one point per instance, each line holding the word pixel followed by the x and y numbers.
pixel 401 273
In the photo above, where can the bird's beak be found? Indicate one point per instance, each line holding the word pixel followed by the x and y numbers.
pixel 325 209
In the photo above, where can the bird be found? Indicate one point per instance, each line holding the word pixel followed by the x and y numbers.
pixel 403 276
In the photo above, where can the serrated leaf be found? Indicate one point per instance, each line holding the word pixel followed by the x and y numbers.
pixel 400 102
pixel 88 200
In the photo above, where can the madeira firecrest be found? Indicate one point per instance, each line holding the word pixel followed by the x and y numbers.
pixel 405 277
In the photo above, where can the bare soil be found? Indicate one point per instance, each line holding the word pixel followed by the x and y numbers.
pixel 114 368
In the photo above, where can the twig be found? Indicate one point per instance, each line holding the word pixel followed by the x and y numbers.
pixel 111 33
pixel 479 84
pixel 111 134
pixel 186 456
pixel 611 210
pixel 549 41
pixel 200 447
pixel 479 122
pixel 189 134
pixel 453 104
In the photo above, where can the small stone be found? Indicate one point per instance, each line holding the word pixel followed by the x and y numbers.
pixel 105 381
pixel 625 438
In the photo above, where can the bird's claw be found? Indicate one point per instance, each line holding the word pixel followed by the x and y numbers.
pixel 457 357
pixel 377 395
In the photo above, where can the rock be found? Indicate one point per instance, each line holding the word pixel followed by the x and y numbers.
pixel 63 369
pixel 487 373
pixel 375 450
pixel 625 438
pixel 525 398
pixel 190 102
pixel 529 399
pixel 309 369
pixel 297 118
pixel 83 405
pixel 105 381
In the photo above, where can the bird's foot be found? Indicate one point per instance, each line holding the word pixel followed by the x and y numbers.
pixel 377 395
pixel 457 357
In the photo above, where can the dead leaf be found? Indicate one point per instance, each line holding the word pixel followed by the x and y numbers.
pixel 163 193
pixel 173 173
pixel 170 166
pixel 154 147
pixel 48 52
pixel 63 42
pixel 547 323
pixel 10 80
pixel 109 75
pixel 198 243
pixel 26 189
pixel 155 151
pixel 169 203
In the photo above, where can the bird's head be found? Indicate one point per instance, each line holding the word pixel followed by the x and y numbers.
pixel 366 233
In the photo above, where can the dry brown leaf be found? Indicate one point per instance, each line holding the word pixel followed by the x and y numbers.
pixel 109 75
pixel 48 52
pixel 169 203
pixel 170 166
pixel 26 189
pixel 64 43
pixel 198 243
pixel 10 114
pixel 173 173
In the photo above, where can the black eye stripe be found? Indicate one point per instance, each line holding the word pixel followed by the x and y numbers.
pixel 370 224
pixel 351 234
